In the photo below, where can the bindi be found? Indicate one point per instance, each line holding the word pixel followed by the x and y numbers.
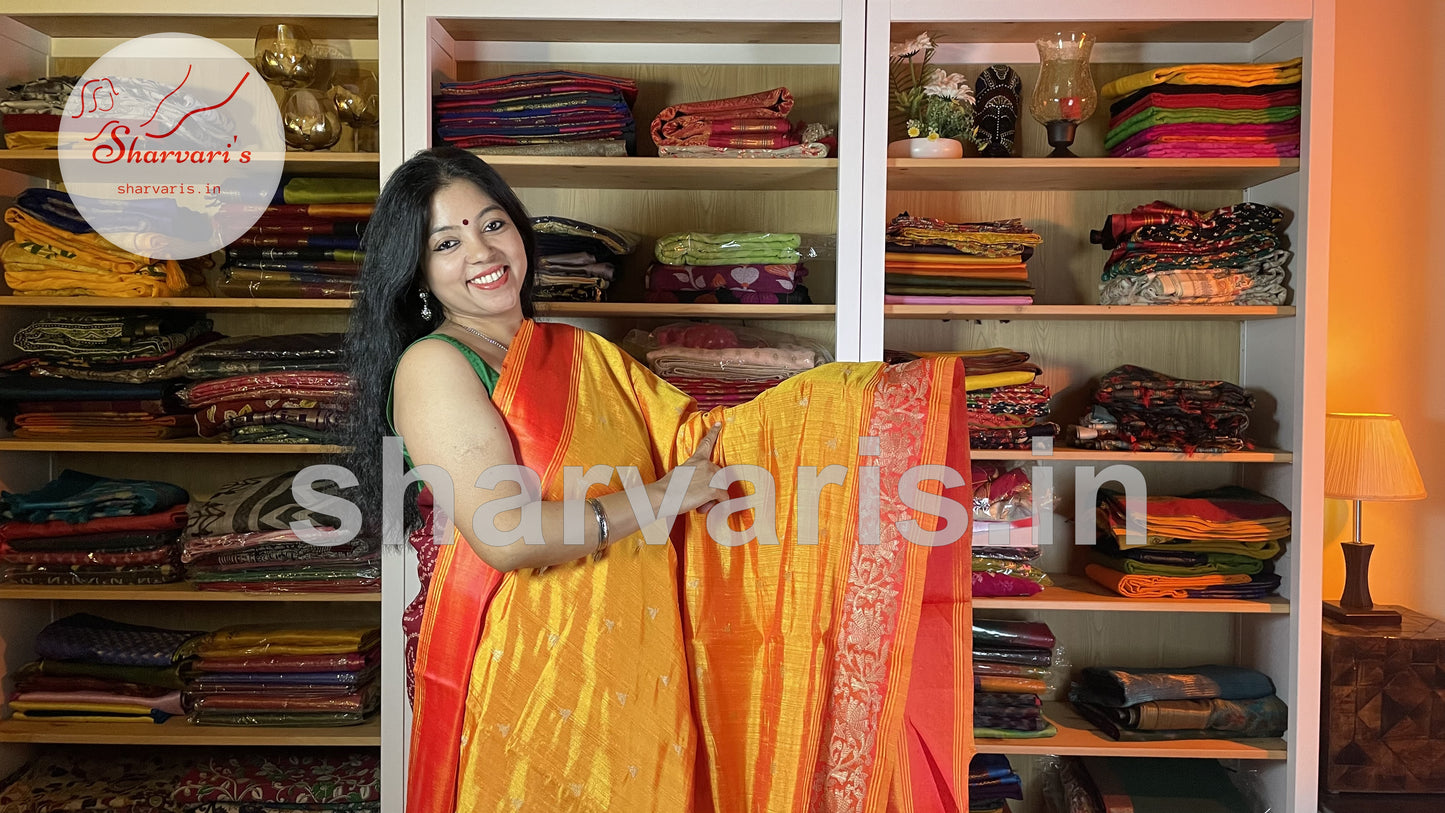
pixel 465 221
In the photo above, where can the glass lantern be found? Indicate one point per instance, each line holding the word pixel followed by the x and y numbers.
pixel 1065 94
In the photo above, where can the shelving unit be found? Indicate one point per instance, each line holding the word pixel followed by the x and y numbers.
pixel 819 49
pixel 1077 738
pixel 65 37
pixel 1274 352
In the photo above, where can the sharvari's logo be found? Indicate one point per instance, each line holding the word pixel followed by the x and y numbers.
pixel 171 146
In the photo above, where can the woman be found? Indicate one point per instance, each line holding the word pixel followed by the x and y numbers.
pixel 686 675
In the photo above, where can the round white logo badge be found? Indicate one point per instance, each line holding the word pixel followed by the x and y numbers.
pixel 171 146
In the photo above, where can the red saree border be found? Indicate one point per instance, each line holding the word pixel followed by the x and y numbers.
pixel 884 597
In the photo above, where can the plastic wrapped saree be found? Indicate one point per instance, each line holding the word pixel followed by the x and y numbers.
pixel 696 675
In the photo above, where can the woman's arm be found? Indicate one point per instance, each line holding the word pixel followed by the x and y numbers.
pixel 447 418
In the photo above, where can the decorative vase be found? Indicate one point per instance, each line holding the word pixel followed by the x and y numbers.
pixel 284 57
pixel 997 94
pixel 309 120
pixel 1064 95
pixel 925 148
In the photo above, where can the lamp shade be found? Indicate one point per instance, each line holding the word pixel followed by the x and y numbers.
pixel 1368 458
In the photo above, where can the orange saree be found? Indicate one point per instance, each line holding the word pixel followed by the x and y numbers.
pixel 774 675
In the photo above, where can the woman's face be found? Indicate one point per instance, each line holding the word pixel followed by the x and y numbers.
pixel 475 259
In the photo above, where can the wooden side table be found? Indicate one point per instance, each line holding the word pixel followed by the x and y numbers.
pixel 1384 707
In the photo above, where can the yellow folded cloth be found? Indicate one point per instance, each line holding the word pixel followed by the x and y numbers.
pixel 264 639
pixel 32 140
pixel 39 269
pixel 908 258
pixel 18 706
pixel 990 380
pixel 1235 75
pixel 1132 585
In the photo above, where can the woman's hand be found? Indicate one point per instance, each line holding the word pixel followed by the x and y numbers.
pixel 700 495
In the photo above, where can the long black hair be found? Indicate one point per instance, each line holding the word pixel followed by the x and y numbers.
pixel 386 313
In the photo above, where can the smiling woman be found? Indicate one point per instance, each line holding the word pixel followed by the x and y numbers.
pixel 584 668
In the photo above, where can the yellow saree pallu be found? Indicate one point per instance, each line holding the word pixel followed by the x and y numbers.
pixel 696 675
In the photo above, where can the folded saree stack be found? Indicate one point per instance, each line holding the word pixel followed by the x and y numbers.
pixel 241 540
pixel 55 252
pixel 752 268
pixel 577 261
pixel 195 780
pixel 260 675
pixel 1011 661
pixel 1148 785
pixel 1004 551
pixel 1161 254
pixel 934 262
pixel 1206 111
pixel 93 376
pixel 1201 702
pixel 84 529
pixel 754 125
pixel 1218 543
pixel 991 783
pixel 310 780
pixel 92 669
pixel 288 388
pixel 305 245
pixel 722 366
pixel 30 112
pixel 539 113
pixel 1136 409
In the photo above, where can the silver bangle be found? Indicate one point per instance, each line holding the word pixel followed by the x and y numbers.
pixel 601 521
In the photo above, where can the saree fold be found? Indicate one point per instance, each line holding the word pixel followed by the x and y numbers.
pixel 693 675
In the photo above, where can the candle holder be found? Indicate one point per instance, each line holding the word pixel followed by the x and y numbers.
pixel 354 92
pixel 309 120
pixel 284 56
pixel 1064 95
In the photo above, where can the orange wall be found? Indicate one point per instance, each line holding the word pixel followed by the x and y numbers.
pixel 1387 278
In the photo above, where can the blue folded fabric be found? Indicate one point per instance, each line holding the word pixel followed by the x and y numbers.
pixel 79 497
pixel 92 639
pixel 1118 688
pixel 21 387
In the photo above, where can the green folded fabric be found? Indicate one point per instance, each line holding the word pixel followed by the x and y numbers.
pixel 1196 115
pixel 331 190
pixel 1009 734
pixel 1222 564
pixel 699 248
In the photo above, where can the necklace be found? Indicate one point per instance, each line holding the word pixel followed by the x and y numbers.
pixel 480 335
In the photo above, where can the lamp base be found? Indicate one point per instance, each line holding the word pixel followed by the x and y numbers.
pixel 1377 616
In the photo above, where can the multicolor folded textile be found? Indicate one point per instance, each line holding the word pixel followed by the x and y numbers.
pixel 1139 409
pixel 1121 688
pixel 700 123
pixel 76 497
pixel 1209 718
pixel 252 504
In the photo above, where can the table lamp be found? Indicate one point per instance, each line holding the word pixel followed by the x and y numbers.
pixel 1366 458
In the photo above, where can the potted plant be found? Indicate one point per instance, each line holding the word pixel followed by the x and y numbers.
pixel 937 106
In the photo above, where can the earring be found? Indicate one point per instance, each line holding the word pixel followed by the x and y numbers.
pixel 425 306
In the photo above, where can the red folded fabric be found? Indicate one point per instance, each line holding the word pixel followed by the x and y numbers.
pixel 769 104
pixel 168 520
pixel 1219 101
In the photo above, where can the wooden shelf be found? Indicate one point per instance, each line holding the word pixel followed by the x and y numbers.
pixel 670 31
pixel 180 591
pixel 1088 313
pixel 1085 455
pixel 185 446
pixel 654 310
pixel 81 18
pixel 1111 31
pixel 1077 738
pixel 46 163
pixel 568 172
pixel 1076 593
pixel 209 303
pixel 179 731
pixel 1083 174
